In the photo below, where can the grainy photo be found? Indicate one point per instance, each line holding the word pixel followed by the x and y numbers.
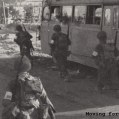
pixel 59 59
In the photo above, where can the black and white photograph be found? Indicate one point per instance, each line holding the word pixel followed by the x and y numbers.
pixel 59 59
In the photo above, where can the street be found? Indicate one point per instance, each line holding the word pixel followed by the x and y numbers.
pixel 71 99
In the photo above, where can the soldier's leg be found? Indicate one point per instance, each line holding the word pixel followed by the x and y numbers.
pixel 55 67
pixel 58 58
pixel 54 58
pixel 28 54
pixel 101 79
pixel 64 69
pixel 60 66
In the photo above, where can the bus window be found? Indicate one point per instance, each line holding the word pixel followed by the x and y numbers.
pixel 46 13
pixel 66 14
pixel 98 16
pixel 56 13
pixel 80 14
pixel 115 17
pixel 94 14
pixel 107 19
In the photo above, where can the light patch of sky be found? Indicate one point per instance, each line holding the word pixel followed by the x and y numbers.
pixel 98 12
pixel 67 10
pixel 80 11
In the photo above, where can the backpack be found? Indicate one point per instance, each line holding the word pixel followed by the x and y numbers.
pixel 27 42
pixel 34 85
pixel 28 92
pixel 24 39
pixel 63 41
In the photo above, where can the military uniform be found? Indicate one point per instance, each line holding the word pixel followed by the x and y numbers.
pixel 25 97
pixel 102 69
pixel 24 42
pixel 60 54
pixel 105 58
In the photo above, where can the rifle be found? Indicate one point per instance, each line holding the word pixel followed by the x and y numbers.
pixel 24 27
pixel 28 35
pixel 69 42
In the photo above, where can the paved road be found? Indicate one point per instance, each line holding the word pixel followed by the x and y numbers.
pixel 109 112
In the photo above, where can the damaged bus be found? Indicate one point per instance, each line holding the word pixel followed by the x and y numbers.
pixel 81 20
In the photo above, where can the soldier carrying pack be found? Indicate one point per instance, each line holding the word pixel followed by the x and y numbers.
pixel 59 48
pixel 23 39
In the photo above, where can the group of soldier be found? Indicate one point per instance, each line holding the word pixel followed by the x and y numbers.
pixel 25 97
pixel 105 55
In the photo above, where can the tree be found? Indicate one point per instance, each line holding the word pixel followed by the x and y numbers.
pixel 29 13
pixel 11 1
pixel 14 13
pixel 2 14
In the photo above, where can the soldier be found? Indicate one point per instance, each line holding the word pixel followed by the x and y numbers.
pixel 23 40
pixel 59 47
pixel 105 58
pixel 26 97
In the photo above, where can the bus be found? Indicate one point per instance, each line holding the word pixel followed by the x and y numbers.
pixel 81 20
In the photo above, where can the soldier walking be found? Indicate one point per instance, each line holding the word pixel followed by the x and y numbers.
pixel 59 47
pixel 24 42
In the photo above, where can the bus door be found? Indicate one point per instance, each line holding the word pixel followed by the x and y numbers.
pixel 67 12
pixel 56 18
pixel 84 29
pixel 45 31
pixel 110 22
pixel 61 15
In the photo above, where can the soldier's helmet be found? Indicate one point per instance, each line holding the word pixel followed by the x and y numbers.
pixel 102 35
pixel 19 28
pixel 22 64
pixel 57 28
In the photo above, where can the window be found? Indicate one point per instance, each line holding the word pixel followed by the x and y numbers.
pixel 80 14
pixel 107 19
pixel 98 16
pixel 56 13
pixel 116 15
pixel 66 14
pixel 46 13
pixel 94 14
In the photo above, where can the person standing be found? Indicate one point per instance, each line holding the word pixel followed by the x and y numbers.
pixel 23 41
pixel 59 48
pixel 105 58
